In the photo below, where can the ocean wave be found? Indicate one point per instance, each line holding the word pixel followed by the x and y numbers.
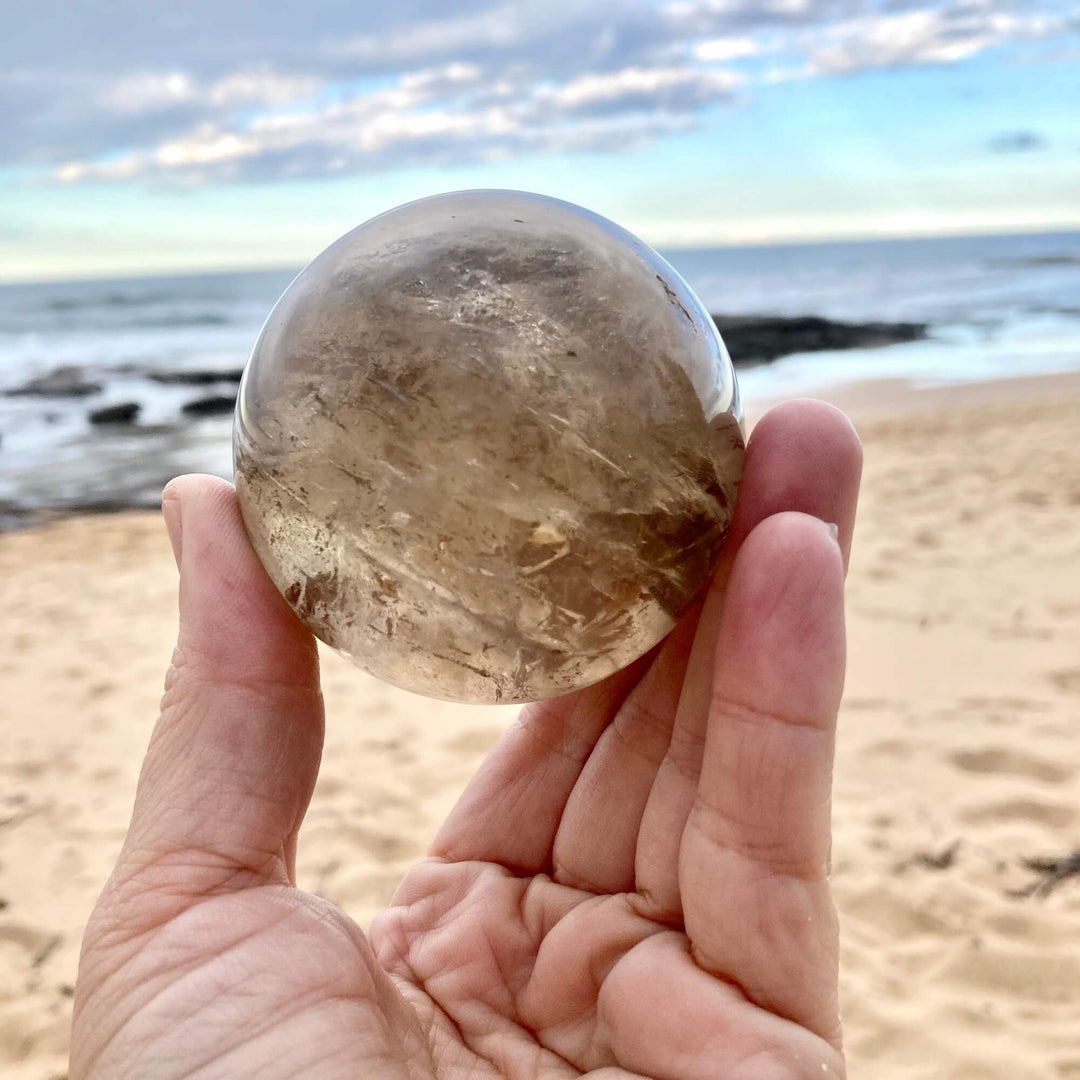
pixel 165 322
pixel 110 300
pixel 1034 261
pixel 113 307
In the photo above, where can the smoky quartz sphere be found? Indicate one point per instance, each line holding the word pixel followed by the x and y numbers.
pixel 487 446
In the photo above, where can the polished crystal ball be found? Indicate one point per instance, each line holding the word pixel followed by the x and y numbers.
pixel 487 446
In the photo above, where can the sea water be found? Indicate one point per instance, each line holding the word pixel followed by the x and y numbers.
pixel 996 307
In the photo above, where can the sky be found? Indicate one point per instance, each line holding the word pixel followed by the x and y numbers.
pixel 142 137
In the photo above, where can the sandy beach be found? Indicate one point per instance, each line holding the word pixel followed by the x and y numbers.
pixel 959 748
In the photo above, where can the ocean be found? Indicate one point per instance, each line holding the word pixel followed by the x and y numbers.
pixel 997 307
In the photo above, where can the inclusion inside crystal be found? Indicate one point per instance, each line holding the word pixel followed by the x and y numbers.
pixel 488 446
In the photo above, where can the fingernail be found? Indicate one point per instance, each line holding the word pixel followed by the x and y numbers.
pixel 174 525
pixel 834 530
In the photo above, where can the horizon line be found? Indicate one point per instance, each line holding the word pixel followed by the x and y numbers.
pixel 871 237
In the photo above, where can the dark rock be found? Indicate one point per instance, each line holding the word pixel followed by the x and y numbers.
pixel 195 378
pixel 759 338
pixel 124 413
pixel 63 382
pixel 218 405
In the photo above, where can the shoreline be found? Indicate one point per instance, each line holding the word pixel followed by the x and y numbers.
pixel 671 252
pixel 864 400
pixel 111 388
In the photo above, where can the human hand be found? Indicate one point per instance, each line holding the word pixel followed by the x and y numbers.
pixel 634 884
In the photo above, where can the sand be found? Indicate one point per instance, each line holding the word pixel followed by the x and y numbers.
pixel 959 752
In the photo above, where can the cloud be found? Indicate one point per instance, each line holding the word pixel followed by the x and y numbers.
pixel 1016 142
pixel 149 92
pixel 725 48
pixel 421 121
pixel 678 90
pixel 496 29
pixel 730 16
pixel 922 36
pixel 224 90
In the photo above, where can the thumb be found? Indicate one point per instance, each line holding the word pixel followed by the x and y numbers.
pixel 235 753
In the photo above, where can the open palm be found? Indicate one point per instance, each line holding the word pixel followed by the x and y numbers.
pixel 635 883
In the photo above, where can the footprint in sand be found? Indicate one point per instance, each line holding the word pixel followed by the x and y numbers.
pixel 329 786
pixel 1067 680
pixel 1043 812
pixel 897 749
pixel 1000 760
pixel 98 691
pixel 1044 976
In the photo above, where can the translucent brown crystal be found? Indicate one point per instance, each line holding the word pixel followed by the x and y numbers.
pixel 487 446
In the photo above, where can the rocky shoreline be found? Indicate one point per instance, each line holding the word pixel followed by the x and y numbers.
pixel 758 339
pixel 138 450
pixel 751 339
